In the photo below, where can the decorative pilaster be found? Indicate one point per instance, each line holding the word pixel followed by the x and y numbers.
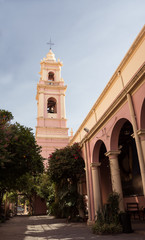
pixel 62 97
pixel 96 186
pixel 41 105
pixel 115 175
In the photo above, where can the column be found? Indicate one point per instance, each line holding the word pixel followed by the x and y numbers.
pixel 115 175
pixel 80 191
pixel 87 183
pixel 96 186
pixel 141 134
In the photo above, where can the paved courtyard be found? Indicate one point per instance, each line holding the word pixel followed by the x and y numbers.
pixel 49 228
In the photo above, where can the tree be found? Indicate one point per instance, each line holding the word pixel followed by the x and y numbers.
pixel 19 155
pixel 5 155
pixel 24 157
pixel 66 167
pixel 5 118
pixel 46 190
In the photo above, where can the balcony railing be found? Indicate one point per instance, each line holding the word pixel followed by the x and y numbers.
pixel 52 83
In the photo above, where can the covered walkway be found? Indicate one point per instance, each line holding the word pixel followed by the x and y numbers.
pixel 46 227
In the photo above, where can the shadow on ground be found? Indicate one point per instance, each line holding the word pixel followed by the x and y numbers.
pixel 46 227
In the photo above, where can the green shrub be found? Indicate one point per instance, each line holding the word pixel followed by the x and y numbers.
pixel 106 228
pixel 55 210
pixel 113 204
pixel 108 217
pixel 2 219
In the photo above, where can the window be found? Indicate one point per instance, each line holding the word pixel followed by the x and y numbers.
pixel 51 105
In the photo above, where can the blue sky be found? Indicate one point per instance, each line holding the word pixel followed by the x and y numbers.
pixel 91 38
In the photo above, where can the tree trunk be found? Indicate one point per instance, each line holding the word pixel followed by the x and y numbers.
pixel 1 200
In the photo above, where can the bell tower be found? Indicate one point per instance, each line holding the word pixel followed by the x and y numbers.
pixel 51 129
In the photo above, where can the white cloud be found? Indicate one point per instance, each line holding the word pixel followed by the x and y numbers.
pixel 91 37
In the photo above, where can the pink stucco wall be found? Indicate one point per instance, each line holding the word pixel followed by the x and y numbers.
pixel 109 135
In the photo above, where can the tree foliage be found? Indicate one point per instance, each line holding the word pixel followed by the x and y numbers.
pixel 66 163
pixel 21 169
pixel 23 156
pixel 5 134
pixel 20 158
pixel 66 167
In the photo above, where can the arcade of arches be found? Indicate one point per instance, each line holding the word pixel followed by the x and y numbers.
pixel 127 168
pixel 112 135
pixel 116 162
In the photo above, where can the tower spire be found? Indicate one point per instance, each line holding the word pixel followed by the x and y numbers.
pixel 50 43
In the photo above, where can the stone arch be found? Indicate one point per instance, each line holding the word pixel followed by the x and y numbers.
pixel 128 158
pixel 104 169
pixel 105 174
pixel 115 134
pixel 96 151
pixel 142 116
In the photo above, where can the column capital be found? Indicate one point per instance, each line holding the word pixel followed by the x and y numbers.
pixel 141 133
pixel 95 164
pixel 112 153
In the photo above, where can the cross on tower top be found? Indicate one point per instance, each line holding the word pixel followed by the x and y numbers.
pixel 50 43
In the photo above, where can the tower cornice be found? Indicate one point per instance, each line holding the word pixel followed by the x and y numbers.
pixel 51 63
pixel 52 119
pixel 40 85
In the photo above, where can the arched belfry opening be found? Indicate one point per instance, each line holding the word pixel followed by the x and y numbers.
pixel 105 175
pixel 51 105
pixel 51 76
pixel 128 162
